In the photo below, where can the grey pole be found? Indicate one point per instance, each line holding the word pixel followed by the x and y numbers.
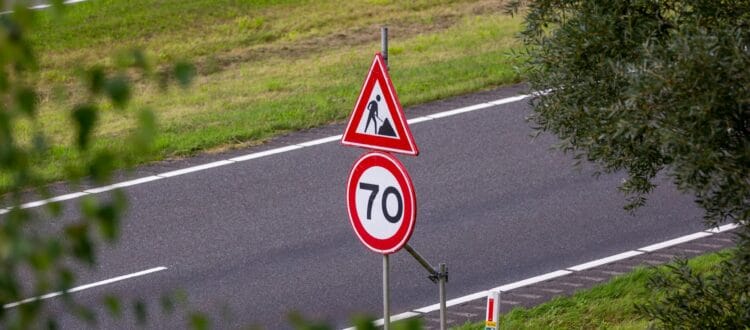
pixel 441 289
pixel 386 295
pixel 386 289
pixel 384 44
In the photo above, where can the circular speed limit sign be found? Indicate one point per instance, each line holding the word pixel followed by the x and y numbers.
pixel 381 202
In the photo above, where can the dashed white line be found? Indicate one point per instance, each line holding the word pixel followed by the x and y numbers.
pixel 259 154
pixel 86 286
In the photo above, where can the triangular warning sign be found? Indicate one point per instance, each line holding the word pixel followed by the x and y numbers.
pixel 378 121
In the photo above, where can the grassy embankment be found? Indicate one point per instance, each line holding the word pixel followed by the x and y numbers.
pixel 265 67
pixel 607 306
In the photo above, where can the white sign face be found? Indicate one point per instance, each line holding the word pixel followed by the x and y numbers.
pixel 380 202
pixel 377 119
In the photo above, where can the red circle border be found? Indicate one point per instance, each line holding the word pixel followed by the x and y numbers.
pixel 397 169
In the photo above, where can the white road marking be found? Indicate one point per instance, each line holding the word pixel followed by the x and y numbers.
pixel 417 120
pixel 68 2
pixel 268 152
pixel 723 228
pixel 532 280
pixel 672 242
pixel 259 154
pixel 85 287
pixel 604 261
pixel 123 184
pixel 559 273
pixel 45 6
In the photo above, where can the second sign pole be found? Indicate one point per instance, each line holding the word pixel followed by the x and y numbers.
pixel 386 295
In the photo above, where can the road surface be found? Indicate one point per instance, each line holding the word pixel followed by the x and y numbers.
pixel 250 241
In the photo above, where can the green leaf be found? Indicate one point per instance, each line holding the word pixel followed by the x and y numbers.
pixel 118 91
pixel 26 100
pixel 139 60
pixel 4 83
pixel 167 303
pixel 102 166
pixel 301 323
pixel 198 321
pixel 80 242
pixel 184 72
pixel 364 323
pixel 139 308
pixel 85 117
pixel 408 324
pixel 113 306
pixel 52 324
pixel 145 132
pixel 95 78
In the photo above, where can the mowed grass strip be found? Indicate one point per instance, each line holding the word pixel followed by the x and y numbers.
pixel 607 306
pixel 264 67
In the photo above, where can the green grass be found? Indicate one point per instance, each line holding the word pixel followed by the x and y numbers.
pixel 264 67
pixel 607 306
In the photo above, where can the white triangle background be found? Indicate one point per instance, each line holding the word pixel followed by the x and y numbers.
pixel 383 112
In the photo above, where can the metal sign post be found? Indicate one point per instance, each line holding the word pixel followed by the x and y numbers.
pixel 440 275
pixel 386 288
pixel 380 196
pixel 386 295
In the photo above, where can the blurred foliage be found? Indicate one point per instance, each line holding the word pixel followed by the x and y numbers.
pixel 37 257
pixel 650 87
pixel 360 322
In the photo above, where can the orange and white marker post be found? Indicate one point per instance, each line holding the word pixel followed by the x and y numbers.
pixel 492 321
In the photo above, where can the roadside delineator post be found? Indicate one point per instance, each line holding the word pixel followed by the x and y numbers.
pixel 492 322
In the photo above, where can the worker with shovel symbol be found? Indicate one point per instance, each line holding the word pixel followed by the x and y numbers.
pixel 372 109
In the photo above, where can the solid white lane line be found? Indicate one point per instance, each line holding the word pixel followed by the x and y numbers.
pixel 394 318
pixel 256 155
pixel 260 154
pixel 417 120
pixel 510 99
pixel 68 2
pixel 532 280
pixel 123 184
pixel 66 197
pixel 452 302
pixel 87 286
pixel 45 6
pixel 460 110
pixel 723 228
pixel 320 141
pixel 562 272
pixel 672 242
pixel 604 261
pixel 195 168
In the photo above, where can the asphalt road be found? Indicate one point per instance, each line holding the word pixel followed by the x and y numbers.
pixel 251 241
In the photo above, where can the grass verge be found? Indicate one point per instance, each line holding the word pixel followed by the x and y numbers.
pixel 607 306
pixel 264 67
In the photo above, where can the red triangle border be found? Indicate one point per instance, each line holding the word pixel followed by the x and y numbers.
pixel 404 144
